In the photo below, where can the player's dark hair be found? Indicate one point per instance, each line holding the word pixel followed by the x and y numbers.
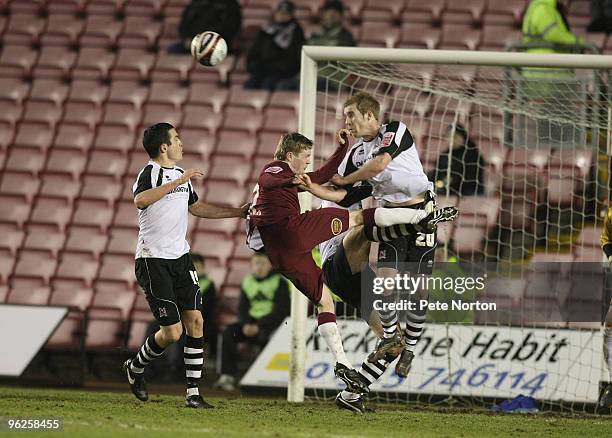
pixel 154 136
pixel 292 142
pixel 365 103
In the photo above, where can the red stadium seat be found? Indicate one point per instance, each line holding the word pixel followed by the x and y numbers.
pixel 69 136
pixel 118 268
pixel 101 31
pixel 88 91
pixel 354 8
pixel 384 12
pixel 128 92
pixel 267 142
pixel 245 119
pixel 466 12
pixel 11 115
pixel 236 143
pixel 52 211
pixel 230 169
pixel 62 30
pixel 225 193
pixel 574 163
pixel 172 68
pixel 14 210
pixel 212 247
pixel 139 325
pixel 87 240
pixel 27 7
pixel 127 215
pixel 17 61
pixel 93 213
pixel 285 99
pixel 105 329
pixel 280 120
pixel 35 264
pixel 19 184
pixel 469 240
pixel 171 94
pixel 107 163
pixel 194 118
pixel 33 135
pixel 73 7
pixel 155 112
pixel 374 34
pixel 122 114
pixel 122 241
pixel 93 63
pixel 498 37
pixel 24 29
pixel 42 112
pixel 3 294
pixel 564 192
pixel 38 296
pixel 68 334
pixel 73 266
pixel 508 12
pixel 69 162
pixel 225 227
pixel 7 264
pixel 238 270
pixel 84 113
pixel 255 99
pixel 132 64
pixel 459 36
pixel 12 238
pixel 55 62
pixel 241 250
pixel 197 141
pixel 25 159
pixel 148 8
pixel 13 90
pixel 45 238
pixel 76 299
pixel 139 33
pixel 420 35
pixel 481 210
pixel 590 237
pixel 423 12
pixel 60 186
pixel 115 137
pixel 208 95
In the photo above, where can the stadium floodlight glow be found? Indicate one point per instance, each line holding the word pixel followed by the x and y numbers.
pixel 402 78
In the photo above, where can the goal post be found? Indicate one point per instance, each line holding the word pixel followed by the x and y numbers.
pixel 402 78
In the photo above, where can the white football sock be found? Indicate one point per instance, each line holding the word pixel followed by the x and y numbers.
pixel 608 350
pixel 330 333
pixel 385 217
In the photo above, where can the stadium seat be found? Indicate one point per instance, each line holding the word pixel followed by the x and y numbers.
pixel 256 169
pixel 7 264
pixel 45 238
pixel 86 240
pixel 74 266
pixel 590 237
pixel 237 271
pixel 224 228
pixel 82 113
pixel 197 141
pixel 19 184
pixel 285 99
pixel 132 64
pixel 14 210
pixel 88 91
pixel 575 163
pixel 52 211
pixel 49 90
pixel 423 12
pixel 241 250
pixel 375 34
pixel 25 159
pixel 212 248
pixel 280 120
pixel 69 136
pixel 375 11
pixel 238 143
pixel 564 192
pixel 75 299
pixel 55 63
pixel 230 169
pixel 139 324
pixel 243 119
pixel 12 238
pixel 13 90
pixel 68 335
pixel 483 210
pixel 62 31
pixel 42 112
pixel 105 329
pixel 469 240
pixel 67 162
pixel 225 193
pixel 93 63
pixel 128 92
pixel 507 12
pixel 3 293
pixel 194 118
pixel 466 12
pixel 24 29
pixel 255 99
pixel 38 296
pixel 171 94
pixel 126 216
pixel 154 112
pixel 117 268
pixel 115 137
pixel 17 61
pixel 123 241
pixel 460 36
pixel 35 264
pixel 107 163
pixel 498 37
pixel 140 32
pixel 93 213
pixel 171 68
pixel 101 31
pixel 419 35
pixel 120 299
pixel 518 212
pixel 266 144
pixel 122 114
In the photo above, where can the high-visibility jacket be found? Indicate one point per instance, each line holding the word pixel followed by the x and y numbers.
pixel 543 23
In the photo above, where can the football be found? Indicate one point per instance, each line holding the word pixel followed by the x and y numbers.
pixel 208 48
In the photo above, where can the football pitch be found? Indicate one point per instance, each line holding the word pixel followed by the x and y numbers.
pixel 105 414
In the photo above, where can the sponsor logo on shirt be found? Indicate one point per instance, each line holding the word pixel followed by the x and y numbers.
pixel 387 138
pixel 274 169
pixel 336 226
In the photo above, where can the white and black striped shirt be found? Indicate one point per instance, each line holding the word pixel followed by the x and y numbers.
pixel 163 224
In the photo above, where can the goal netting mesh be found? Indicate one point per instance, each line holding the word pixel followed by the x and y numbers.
pixel 531 201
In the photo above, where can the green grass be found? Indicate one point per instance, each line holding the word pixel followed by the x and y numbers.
pixel 103 414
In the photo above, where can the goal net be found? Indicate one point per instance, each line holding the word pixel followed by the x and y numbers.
pixel 522 152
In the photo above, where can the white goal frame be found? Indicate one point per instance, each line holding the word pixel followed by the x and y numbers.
pixel 311 55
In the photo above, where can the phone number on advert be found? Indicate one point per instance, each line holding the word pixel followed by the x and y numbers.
pixel 9 424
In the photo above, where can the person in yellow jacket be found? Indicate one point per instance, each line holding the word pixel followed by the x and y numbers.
pixel 605 398
pixel 264 304
pixel 545 23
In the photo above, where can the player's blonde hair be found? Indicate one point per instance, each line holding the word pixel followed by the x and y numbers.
pixel 365 103
pixel 291 142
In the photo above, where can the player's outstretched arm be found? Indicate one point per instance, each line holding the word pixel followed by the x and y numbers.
pixel 211 211
pixel 328 193
pixel 327 170
pixel 148 197
pixel 369 170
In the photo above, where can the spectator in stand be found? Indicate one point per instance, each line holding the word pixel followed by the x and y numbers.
pixel 545 23
pixel 601 16
pixel 332 32
pixel 221 16
pixel 466 166
pixel 274 59
pixel 264 304
pixel 208 291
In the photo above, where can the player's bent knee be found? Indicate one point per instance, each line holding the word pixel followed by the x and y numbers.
pixel 194 324
pixel 172 333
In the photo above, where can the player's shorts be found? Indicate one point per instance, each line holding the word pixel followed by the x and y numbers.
pixel 170 286
pixel 346 285
pixel 416 252
pixel 289 243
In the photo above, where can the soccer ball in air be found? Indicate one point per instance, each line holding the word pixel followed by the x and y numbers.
pixel 208 48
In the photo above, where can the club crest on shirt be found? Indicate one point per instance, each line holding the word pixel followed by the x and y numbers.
pixel 274 169
pixel 387 138
pixel 162 312
pixel 336 226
